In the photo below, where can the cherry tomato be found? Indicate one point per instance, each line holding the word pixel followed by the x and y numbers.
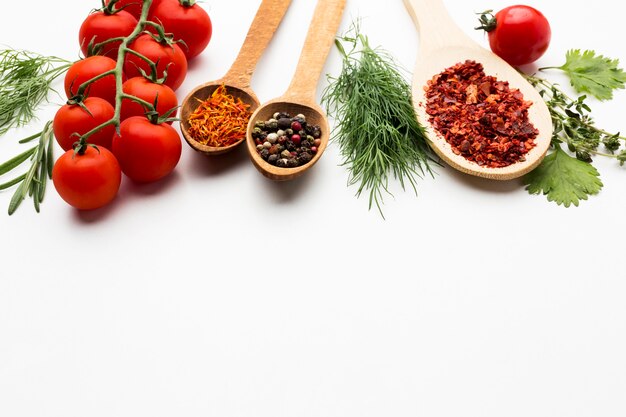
pixel 72 119
pixel 88 68
pixel 100 26
pixel 168 57
pixel 187 21
pixel 147 90
pixel 518 34
pixel 132 6
pixel 147 152
pixel 88 180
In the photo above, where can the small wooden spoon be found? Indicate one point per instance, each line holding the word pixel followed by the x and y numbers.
pixel 442 45
pixel 300 97
pixel 237 79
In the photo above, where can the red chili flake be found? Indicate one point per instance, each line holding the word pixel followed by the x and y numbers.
pixel 482 119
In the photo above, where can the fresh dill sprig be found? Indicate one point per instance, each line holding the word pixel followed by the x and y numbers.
pixel 25 80
pixel 33 182
pixel 376 126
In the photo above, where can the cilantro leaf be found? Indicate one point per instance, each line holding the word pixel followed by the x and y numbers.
pixel 593 74
pixel 564 179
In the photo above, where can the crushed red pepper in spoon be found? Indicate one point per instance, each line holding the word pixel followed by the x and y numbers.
pixel 481 118
pixel 220 120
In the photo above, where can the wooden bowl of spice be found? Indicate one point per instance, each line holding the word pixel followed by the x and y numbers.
pixel 480 114
pixel 287 135
pixel 214 117
pixel 287 138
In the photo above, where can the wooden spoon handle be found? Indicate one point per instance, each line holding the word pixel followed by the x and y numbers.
pixel 319 39
pixel 436 27
pixel 266 21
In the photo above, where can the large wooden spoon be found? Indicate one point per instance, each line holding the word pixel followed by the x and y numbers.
pixel 300 97
pixel 237 79
pixel 442 45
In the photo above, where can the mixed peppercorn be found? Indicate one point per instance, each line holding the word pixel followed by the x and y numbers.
pixel 286 141
pixel 481 118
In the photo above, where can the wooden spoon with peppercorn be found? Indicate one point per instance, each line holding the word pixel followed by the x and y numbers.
pixel 478 125
pixel 237 79
pixel 300 97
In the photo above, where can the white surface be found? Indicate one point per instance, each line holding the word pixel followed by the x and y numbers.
pixel 219 293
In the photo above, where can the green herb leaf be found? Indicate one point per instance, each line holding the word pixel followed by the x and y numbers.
pixel 593 74
pixel 573 124
pixel 564 179
pixel 33 182
pixel 16 161
pixel 12 182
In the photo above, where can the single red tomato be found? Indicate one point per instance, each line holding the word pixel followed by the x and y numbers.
pixel 187 21
pixel 132 6
pixel 166 55
pixel 72 120
pixel 146 151
pixel 102 25
pixel 87 180
pixel 148 91
pixel 518 34
pixel 85 70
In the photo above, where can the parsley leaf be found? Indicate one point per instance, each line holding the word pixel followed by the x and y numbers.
pixel 593 74
pixel 564 179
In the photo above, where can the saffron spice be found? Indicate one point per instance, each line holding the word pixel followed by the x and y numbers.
pixel 220 120
pixel 481 118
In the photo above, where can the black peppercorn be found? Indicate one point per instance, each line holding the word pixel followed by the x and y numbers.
pixel 304 158
pixel 284 123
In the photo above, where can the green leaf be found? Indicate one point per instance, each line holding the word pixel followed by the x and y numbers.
pixel 593 74
pixel 564 179
pixel 16 161
pixel 12 182
pixel 18 197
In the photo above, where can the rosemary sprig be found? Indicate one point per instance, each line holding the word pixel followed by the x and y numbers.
pixel 377 130
pixel 25 81
pixel 574 126
pixel 33 182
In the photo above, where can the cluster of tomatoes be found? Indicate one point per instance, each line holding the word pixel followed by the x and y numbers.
pixel 144 147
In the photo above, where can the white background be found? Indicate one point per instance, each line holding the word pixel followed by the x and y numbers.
pixel 219 293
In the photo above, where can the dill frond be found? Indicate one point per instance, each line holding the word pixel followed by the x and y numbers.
pixel 376 128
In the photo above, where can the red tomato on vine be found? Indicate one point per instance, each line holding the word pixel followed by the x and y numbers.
pixel 103 25
pixel 187 21
pixel 87 179
pixel 146 151
pixel 86 69
pixel 148 91
pixel 166 54
pixel 73 120
pixel 518 34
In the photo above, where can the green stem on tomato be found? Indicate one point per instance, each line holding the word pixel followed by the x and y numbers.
pixel 81 88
